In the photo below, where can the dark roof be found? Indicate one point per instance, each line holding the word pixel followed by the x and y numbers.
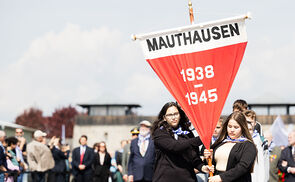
pixel 271 104
pixel 108 105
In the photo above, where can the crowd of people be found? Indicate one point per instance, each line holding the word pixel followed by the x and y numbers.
pixel 169 149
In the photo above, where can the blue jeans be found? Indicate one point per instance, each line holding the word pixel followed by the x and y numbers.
pixel 2 177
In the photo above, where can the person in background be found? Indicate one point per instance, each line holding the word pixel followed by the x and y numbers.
pixel 142 155
pixel 58 173
pixel 3 163
pixel 13 163
pixel 240 105
pixel 19 134
pixel 234 152
pixel 96 147
pixel 251 116
pixel 119 154
pixel 259 171
pixel 39 157
pixel 65 148
pixel 82 159
pixel 287 159
pixel 102 163
pixel 274 156
pixel 126 153
pixel 217 130
pixel 176 148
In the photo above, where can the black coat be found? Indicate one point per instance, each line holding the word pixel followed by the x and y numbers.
pixel 58 174
pixel 240 162
pixel 2 158
pixel 286 155
pixel 87 161
pixel 176 159
pixel 101 172
pixel 142 168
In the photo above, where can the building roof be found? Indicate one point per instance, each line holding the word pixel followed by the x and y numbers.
pixel 13 125
pixel 270 104
pixel 108 105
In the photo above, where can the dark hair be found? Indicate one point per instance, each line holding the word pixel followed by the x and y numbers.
pixel 104 145
pixel 240 105
pixel 95 145
pixel 240 118
pixel 11 140
pixel 251 114
pixel 83 136
pixel 183 122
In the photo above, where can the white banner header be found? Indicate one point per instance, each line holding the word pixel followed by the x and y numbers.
pixel 194 38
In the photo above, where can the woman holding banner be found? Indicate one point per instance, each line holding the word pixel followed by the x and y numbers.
pixel 234 152
pixel 177 152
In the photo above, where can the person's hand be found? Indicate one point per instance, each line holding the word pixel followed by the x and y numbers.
pixel 22 140
pixel 56 141
pixel 125 177
pixel 215 179
pixel 6 174
pixel 50 143
pixel 207 169
pixel 208 154
pixel 120 168
pixel 130 178
pixel 291 170
pixel 81 166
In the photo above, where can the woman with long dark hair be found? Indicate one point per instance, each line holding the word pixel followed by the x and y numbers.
pixel 177 150
pixel 102 164
pixel 234 152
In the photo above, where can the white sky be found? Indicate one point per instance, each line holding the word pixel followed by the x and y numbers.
pixel 60 52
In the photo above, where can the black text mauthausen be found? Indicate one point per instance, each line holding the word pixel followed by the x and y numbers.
pixel 193 37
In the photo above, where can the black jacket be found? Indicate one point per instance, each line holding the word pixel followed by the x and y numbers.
pixel 87 161
pixel 286 155
pixel 176 159
pixel 59 160
pixel 101 172
pixel 240 162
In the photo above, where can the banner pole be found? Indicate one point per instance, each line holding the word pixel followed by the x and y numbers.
pixel 191 12
pixel 210 164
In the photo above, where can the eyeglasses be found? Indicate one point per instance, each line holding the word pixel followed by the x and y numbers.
pixel 170 116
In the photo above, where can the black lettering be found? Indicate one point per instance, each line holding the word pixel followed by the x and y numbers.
pixel 197 37
pixel 234 29
pixel 206 39
pixel 187 38
pixel 224 30
pixel 152 46
pixel 172 40
pixel 162 43
pixel 215 33
pixel 178 38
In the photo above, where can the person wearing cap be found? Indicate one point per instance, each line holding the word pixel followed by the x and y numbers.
pixel 142 155
pixel 39 157
pixel 126 153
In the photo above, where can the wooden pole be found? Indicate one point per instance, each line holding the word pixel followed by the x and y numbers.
pixel 210 164
pixel 191 12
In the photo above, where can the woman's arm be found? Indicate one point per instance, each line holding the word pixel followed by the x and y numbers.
pixel 164 141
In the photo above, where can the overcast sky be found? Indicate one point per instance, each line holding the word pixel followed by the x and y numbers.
pixel 60 52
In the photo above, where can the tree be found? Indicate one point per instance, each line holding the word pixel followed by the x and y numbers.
pixel 52 125
pixel 66 116
pixel 32 117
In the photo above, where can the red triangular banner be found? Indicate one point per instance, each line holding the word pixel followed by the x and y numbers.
pixel 198 66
